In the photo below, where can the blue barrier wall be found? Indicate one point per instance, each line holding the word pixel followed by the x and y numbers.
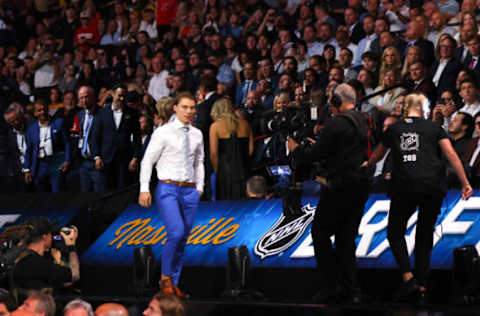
pixel 273 240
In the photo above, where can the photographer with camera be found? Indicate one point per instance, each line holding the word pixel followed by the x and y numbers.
pixel 33 270
pixel 342 147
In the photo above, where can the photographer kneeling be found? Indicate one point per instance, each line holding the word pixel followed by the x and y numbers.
pixel 35 271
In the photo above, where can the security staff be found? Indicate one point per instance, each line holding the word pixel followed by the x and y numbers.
pixel 342 146
pixel 418 179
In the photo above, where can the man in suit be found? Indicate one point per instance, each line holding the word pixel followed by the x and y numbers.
pixel 414 36
pixel 445 70
pixel 472 61
pixel 467 32
pixel 12 153
pixel 48 151
pixel 354 27
pixel 249 84
pixel 208 86
pixel 420 83
pixel 112 149
pixel 90 177
pixel 472 155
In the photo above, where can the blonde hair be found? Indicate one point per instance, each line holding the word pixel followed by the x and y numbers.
pixel 407 64
pixel 414 102
pixel 223 110
pixel 397 64
pixel 165 108
pixel 280 96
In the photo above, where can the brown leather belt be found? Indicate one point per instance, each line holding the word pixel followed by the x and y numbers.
pixel 179 183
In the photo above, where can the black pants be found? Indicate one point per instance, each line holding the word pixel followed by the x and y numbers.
pixel 402 206
pixel 338 213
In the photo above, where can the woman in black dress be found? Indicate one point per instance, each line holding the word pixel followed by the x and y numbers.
pixel 231 144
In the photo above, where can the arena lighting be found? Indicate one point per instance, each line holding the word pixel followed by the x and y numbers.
pixel 143 270
pixel 238 270
pixel 466 275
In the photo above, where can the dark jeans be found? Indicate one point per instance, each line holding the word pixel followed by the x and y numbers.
pixel 402 206
pixel 90 178
pixel 338 213
pixel 47 180
pixel 116 174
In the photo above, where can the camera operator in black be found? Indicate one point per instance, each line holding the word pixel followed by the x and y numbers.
pixel 418 179
pixel 342 147
pixel 33 270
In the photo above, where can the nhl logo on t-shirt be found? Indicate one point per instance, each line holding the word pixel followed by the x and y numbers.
pixel 409 141
pixel 284 233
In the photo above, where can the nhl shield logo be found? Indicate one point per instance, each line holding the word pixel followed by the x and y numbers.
pixel 284 233
pixel 409 141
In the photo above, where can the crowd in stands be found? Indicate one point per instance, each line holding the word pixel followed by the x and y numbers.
pixel 41 303
pixel 85 83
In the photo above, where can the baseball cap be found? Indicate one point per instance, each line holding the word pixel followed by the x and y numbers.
pixel 41 225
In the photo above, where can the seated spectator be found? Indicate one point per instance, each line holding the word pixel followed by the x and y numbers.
pixel 471 156
pixel 78 307
pixel 164 110
pixel 386 101
pixel 256 187
pixel 444 71
pixel 37 303
pixel 165 305
pixel 111 309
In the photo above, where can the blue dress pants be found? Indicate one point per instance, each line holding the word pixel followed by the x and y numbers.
pixel 177 207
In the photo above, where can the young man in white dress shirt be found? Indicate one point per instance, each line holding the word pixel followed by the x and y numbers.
pixel 177 150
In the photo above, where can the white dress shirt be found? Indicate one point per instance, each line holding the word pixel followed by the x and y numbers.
pixel 166 149
pixel 441 66
pixel 157 87
pixel 475 154
pixel 471 109
pixel 45 147
pixel 117 116
pixel 21 144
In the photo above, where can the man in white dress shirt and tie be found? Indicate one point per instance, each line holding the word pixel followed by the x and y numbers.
pixel 176 149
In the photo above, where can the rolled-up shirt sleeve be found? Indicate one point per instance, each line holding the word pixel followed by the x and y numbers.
pixel 152 155
pixel 198 166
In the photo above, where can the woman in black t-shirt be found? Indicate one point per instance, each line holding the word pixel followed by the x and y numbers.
pixel 418 179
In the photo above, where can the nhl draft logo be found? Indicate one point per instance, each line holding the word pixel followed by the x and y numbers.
pixel 284 233
pixel 409 141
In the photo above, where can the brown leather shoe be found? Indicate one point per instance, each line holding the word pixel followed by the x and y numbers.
pixel 179 293
pixel 166 287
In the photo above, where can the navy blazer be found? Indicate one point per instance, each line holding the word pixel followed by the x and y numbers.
pixel 476 70
pixel 448 77
pixel 240 93
pixel 111 142
pixel 145 144
pixel 81 122
pixel 32 137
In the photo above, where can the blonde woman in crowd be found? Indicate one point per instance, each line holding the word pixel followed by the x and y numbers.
pixel 231 144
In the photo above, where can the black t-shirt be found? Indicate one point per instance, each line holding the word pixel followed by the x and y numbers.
pixel 36 272
pixel 342 149
pixel 417 159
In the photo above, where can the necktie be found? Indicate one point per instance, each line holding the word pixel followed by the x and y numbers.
pixel 472 63
pixel 87 132
pixel 186 144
